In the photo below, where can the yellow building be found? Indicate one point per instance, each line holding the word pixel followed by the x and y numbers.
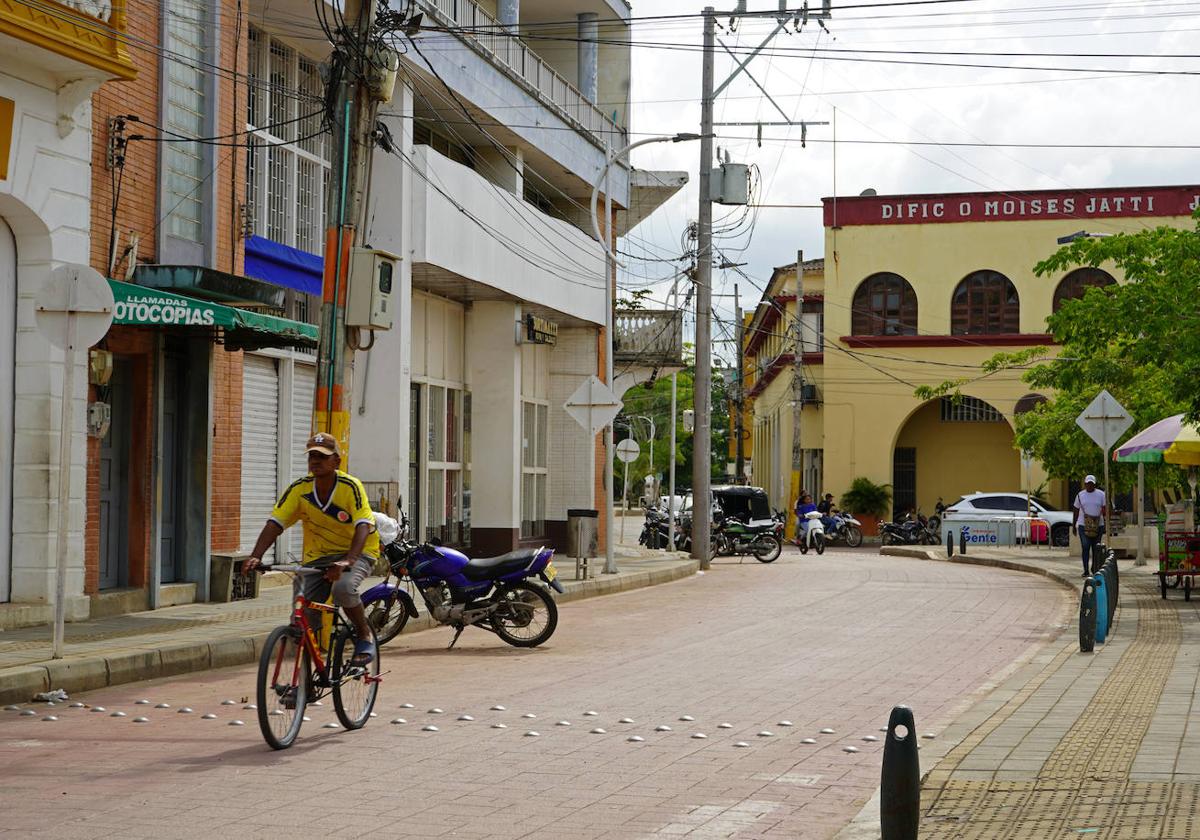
pixel 923 288
pixel 770 367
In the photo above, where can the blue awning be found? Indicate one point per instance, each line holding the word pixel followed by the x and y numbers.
pixel 282 265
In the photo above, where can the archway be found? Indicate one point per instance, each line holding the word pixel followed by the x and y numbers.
pixel 947 449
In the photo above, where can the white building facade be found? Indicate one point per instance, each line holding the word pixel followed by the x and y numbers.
pixel 53 65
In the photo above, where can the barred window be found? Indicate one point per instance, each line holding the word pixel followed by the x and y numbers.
pixel 534 468
pixel 969 410
pixel 184 164
pixel 288 171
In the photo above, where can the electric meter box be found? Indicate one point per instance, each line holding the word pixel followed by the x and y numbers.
pixel 369 300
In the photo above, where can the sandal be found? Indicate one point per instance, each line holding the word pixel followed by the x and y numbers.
pixel 364 653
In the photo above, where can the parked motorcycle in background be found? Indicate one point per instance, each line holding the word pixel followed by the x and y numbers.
pixel 935 521
pixel 845 527
pixel 739 539
pixel 912 530
pixel 656 532
pixel 812 533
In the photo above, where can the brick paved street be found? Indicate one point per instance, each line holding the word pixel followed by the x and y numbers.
pixel 821 642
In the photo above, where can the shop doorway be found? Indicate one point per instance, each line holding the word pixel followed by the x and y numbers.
pixel 172 521
pixel 114 480
pixel 8 342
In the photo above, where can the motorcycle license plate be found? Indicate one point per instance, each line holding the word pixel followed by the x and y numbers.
pixel 551 572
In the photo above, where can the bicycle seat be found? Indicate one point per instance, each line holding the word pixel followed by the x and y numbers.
pixel 483 568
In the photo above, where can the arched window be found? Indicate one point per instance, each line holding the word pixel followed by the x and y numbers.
pixel 985 303
pixel 1028 403
pixel 1079 281
pixel 884 304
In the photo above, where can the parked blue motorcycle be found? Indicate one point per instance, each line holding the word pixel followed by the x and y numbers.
pixel 495 593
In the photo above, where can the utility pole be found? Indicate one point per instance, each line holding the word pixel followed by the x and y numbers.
pixel 702 449
pixel 740 403
pixel 702 401
pixel 798 384
pixel 353 120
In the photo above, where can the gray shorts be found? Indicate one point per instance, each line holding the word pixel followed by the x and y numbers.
pixel 345 590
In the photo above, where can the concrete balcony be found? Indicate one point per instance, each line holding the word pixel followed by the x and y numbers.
pixel 486 36
pixel 472 240
pixel 516 92
pixel 71 40
pixel 648 338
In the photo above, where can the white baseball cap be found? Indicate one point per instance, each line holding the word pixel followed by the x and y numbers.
pixel 1090 479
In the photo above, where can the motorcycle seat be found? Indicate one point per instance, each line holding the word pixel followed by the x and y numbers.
pixel 485 568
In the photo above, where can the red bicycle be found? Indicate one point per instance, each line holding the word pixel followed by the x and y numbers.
pixel 300 663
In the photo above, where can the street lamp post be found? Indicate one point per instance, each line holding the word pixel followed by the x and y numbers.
pixel 649 420
pixel 610 261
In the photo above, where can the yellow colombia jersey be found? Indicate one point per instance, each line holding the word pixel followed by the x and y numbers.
pixel 328 523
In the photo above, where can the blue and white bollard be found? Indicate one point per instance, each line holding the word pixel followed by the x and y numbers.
pixel 1101 607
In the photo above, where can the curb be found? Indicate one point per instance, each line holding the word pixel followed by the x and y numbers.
pixel 978 560
pixel 20 683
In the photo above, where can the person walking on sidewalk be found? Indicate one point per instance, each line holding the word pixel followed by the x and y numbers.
pixel 1091 512
pixel 338 524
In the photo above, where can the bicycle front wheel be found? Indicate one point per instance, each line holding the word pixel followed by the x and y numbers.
pixel 282 687
pixel 354 689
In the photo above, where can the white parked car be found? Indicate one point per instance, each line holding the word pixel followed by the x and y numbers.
pixel 1000 505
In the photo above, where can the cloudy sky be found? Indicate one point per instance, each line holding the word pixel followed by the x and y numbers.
pixel 1067 100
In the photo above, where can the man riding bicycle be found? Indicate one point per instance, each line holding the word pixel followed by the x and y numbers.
pixel 338 525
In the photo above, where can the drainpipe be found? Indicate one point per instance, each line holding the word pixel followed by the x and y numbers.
pixel 589 31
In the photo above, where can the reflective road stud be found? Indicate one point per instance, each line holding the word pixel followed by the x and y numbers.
pixel 900 785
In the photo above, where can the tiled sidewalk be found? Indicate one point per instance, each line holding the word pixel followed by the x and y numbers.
pixel 1100 744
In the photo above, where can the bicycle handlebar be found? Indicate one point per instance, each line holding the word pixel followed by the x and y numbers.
pixel 263 568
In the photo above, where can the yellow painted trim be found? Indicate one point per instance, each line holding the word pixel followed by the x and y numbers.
pixel 71 34
pixel 7 107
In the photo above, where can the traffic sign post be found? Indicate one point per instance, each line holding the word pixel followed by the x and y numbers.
pixel 1105 420
pixel 594 406
pixel 627 451
pixel 73 310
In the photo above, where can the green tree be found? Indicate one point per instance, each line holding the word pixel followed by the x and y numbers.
pixel 1140 340
pixel 654 401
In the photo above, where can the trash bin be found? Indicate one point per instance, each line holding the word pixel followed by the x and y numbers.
pixel 583 528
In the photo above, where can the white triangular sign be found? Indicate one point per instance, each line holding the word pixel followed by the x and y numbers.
pixel 593 405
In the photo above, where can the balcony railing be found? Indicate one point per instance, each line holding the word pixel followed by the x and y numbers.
pixel 485 33
pixel 648 338
pixel 86 32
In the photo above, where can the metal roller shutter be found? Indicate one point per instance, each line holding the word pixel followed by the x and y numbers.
pixel 260 445
pixel 304 385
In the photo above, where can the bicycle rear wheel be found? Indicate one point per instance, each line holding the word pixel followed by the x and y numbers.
pixel 282 690
pixel 354 689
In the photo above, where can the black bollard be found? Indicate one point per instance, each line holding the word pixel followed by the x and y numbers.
pixel 949 543
pixel 900 788
pixel 1110 582
pixel 1116 578
pixel 1087 617
pixel 962 541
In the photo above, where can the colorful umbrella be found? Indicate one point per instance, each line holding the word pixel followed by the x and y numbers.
pixel 1169 440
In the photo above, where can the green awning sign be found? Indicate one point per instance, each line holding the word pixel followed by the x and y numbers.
pixel 141 306
pixel 244 329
